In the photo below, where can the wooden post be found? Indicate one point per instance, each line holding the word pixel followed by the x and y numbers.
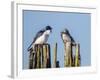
pixel 55 55
pixel 77 55
pixel 35 57
pixel 32 57
pixel 31 60
pixel 44 56
pixel 67 55
pixel 70 53
pixel 48 57
pixel 37 66
pixel 40 58
pixel 73 54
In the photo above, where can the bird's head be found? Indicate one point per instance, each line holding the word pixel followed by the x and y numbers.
pixel 65 31
pixel 48 28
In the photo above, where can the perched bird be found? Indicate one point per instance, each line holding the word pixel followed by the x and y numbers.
pixel 66 37
pixel 41 37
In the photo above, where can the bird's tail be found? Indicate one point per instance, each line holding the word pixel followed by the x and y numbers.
pixel 29 48
pixel 32 57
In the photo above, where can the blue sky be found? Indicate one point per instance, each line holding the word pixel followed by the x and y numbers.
pixel 78 24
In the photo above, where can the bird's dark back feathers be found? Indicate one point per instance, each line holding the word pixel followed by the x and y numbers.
pixel 72 39
pixel 37 35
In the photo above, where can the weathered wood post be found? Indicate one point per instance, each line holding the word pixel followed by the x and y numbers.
pixel 31 59
pixel 77 56
pixel 55 56
pixel 65 56
pixel 48 57
pixel 70 59
pixel 41 58
pixel 38 56
pixel 68 54
pixel 73 53
pixel 44 56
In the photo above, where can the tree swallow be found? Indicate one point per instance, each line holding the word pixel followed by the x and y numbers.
pixel 41 37
pixel 66 37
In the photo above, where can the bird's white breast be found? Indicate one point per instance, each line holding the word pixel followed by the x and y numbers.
pixel 43 39
pixel 40 40
pixel 66 37
pixel 47 32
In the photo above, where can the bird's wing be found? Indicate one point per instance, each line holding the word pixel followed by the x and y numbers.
pixel 62 36
pixel 37 35
pixel 72 39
